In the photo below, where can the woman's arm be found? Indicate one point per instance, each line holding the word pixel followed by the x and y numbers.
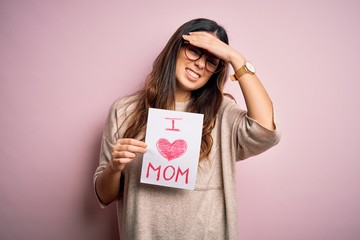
pixel 107 183
pixel 257 100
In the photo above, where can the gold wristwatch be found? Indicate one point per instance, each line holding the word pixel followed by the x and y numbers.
pixel 247 68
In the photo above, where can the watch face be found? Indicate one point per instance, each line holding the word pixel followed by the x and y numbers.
pixel 250 67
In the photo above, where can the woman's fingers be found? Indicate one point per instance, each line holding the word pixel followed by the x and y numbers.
pixel 130 145
pixel 123 154
pixel 211 43
pixel 124 151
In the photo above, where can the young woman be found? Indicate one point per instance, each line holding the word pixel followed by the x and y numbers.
pixel 188 75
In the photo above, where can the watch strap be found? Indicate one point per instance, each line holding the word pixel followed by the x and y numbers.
pixel 238 73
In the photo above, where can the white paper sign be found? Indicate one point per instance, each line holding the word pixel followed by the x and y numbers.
pixel 172 156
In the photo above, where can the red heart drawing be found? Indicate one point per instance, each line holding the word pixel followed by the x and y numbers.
pixel 173 150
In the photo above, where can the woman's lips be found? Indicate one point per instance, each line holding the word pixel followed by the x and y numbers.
pixel 192 73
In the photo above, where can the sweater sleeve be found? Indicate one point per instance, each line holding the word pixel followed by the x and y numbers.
pixel 109 138
pixel 248 137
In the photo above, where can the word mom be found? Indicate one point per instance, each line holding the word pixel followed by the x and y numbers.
pixel 168 173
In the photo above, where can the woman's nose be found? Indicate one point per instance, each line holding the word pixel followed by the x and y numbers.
pixel 201 62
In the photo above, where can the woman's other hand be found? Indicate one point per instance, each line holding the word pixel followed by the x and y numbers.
pixel 124 151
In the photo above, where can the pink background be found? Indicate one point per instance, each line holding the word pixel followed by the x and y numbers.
pixel 62 64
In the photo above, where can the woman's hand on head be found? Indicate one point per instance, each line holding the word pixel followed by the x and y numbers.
pixel 124 151
pixel 209 42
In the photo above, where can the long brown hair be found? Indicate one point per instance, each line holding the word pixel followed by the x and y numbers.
pixel 159 88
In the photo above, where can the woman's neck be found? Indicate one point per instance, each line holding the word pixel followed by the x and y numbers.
pixel 182 96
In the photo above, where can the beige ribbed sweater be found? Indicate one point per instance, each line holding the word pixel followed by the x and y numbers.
pixel 209 212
